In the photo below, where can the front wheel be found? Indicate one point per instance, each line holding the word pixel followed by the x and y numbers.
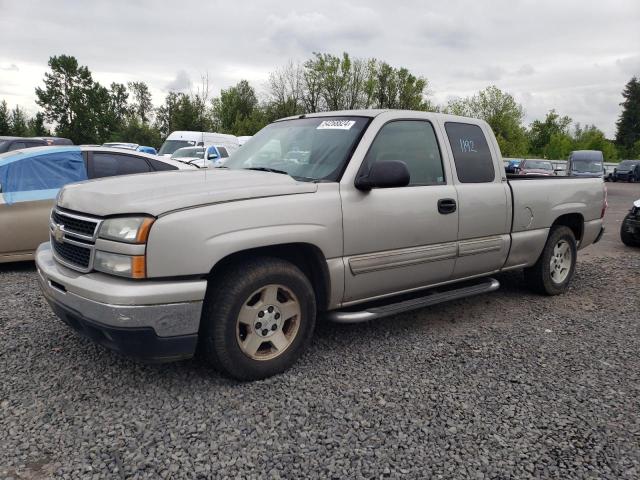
pixel 257 319
pixel 555 268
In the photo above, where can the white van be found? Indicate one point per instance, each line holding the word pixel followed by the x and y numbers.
pixel 180 139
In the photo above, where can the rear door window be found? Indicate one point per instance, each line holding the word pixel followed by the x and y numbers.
pixel 111 164
pixel 471 153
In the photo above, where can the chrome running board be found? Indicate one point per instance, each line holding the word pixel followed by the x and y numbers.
pixel 433 297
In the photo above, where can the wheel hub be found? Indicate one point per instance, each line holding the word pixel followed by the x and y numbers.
pixel 268 321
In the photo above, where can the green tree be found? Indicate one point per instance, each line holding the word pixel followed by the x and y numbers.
pixel 142 101
pixel 5 121
pixel 73 101
pixel 541 132
pixel 628 125
pixel 19 119
pixel 37 127
pixel 500 110
pixel 559 146
pixel 134 130
pixel 591 138
pixel 235 107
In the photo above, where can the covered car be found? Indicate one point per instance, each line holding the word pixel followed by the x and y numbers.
pixel 30 180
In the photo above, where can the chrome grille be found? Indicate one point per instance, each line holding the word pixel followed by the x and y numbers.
pixel 73 239
pixel 74 223
pixel 72 253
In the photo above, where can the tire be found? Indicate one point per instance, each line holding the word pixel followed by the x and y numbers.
pixel 241 321
pixel 559 251
pixel 628 238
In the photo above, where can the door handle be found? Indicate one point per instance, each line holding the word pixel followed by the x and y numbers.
pixel 446 205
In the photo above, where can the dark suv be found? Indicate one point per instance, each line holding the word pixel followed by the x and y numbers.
pixel 627 171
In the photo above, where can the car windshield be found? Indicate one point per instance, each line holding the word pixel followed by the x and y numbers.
pixel 537 165
pixel 586 166
pixel 170 146
pixel 626 164
pixel 307 149
pixel 188 152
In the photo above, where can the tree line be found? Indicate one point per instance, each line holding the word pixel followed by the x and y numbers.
pixel 85 111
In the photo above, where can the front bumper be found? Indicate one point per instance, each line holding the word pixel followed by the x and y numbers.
pixel 149 320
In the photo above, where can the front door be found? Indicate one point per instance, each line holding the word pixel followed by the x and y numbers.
pixel 397 236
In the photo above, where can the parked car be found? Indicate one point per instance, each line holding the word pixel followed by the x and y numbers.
pixel 125 145
pixel 8 144
pixel 201 157
pixel 560 169
pixel 57 140
pixel 147 149
pixel 585 163
pixel 535 167
pixel 182 139
pixel 630 228
pixel 512 165
pixel 627 171
pixel 30 180
pixel 391 211
pixel 608 172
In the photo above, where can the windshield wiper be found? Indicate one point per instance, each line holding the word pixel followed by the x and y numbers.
pixel 266 169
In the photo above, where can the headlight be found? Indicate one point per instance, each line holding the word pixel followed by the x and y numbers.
pixel 122 265
pixel 126 229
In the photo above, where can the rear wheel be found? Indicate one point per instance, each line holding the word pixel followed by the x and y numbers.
pixel 258 318
pixel 554 270
pixel 628 238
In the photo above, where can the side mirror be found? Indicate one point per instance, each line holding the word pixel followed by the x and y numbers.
pixel 212 156
pixel 384 174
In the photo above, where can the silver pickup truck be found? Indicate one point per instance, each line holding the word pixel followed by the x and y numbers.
pixel 347 216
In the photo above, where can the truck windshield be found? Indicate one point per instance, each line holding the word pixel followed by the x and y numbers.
pixel 170 146
pixel 586 166
pixel 306 148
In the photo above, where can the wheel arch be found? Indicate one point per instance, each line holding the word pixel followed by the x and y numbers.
pixel 574 221
pixel 306 256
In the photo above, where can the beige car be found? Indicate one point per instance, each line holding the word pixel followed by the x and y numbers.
pixel 30 180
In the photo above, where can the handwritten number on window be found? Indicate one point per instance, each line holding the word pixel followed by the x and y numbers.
pixel 467 146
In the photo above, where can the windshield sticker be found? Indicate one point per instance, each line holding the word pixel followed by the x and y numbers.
pixel 336 125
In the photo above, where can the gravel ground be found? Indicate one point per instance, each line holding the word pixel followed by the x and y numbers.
pixel 508 385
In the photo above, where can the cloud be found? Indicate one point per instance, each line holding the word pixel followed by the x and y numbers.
pixel 181 83
pixel 547 54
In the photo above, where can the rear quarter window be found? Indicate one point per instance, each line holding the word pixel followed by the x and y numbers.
pixel 471 153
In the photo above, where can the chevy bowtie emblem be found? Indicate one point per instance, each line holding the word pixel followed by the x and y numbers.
pixel 58 233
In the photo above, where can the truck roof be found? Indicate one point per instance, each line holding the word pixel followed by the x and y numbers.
pixel 374 112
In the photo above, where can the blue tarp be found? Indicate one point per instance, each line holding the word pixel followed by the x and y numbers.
pixel 38 175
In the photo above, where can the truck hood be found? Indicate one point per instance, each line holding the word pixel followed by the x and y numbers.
pixel 161 192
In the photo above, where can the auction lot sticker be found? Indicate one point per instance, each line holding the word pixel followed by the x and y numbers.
pixel 336 125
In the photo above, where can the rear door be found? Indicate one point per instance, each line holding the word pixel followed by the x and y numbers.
pixel 398 237
pixel 484 201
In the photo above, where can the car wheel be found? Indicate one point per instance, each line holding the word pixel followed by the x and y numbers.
pixel 556 266
pixel 257 319
pixel 628 238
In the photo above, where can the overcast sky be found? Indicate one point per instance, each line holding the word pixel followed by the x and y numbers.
pixel 574 56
